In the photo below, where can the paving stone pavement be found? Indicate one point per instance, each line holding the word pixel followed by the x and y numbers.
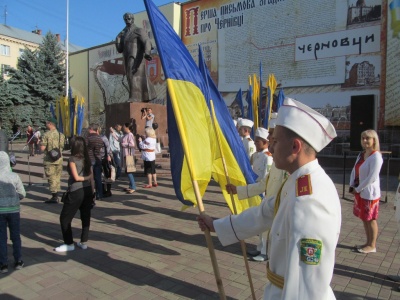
pixel 142 246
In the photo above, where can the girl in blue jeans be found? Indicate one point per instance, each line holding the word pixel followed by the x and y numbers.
pixel 11 192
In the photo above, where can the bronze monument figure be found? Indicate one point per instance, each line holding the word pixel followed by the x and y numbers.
pixel 135 46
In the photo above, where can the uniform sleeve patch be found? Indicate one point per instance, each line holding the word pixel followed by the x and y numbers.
pixel 303 186
pixel 310 251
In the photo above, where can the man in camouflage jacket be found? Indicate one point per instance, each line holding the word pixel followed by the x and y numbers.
pixel 53 169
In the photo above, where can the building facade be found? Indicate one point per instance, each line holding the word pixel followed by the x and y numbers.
pixel 14 41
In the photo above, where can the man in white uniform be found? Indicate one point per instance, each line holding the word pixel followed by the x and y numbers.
pixel 261 160
pixel 269 186
pixel 305 215
pixel 245 126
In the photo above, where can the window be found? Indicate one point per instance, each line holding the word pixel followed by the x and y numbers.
pixel 21 51
pixel 4 69
pixel 5 50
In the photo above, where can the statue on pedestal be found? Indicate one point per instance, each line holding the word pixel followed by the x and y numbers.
pixel 135 45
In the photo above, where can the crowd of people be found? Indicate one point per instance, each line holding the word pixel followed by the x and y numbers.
pixel 87 180
pixel 298 220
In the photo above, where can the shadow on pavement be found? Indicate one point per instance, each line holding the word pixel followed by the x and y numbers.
pixel 100 260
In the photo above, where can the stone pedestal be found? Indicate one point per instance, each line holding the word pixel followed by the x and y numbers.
pixel 121 113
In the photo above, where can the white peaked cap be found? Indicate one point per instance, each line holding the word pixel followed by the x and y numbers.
pixel 262 133
pixel 313 127
pixel 272 121
pixel 234 122
pixel 246 122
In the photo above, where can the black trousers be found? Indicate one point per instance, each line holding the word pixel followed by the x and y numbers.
pixel 80 199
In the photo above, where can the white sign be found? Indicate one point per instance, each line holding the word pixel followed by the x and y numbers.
pixel 348 42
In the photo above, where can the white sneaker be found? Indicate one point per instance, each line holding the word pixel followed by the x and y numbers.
pixel 83 246
pixel 260 258
pixel 65 248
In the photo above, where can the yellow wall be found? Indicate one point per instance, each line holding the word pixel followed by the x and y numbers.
pixel 14 45
pixel 78 72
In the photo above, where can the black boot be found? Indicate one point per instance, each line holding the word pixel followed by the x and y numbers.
pixel 53 199
pixel 108 192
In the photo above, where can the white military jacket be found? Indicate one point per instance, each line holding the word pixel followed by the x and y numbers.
pixel 275 179
pixel 303 236
pixel 261 163
pixel 249 146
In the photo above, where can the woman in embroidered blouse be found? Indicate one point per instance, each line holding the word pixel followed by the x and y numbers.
pixel 364 184
pixel 128 148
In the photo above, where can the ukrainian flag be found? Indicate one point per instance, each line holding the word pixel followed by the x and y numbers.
pixel 192 139
pixel 189 121
pixel 239 169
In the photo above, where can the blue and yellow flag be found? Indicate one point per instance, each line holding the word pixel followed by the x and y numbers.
pixel 189 121
pixel 239 101
pixel 238 166
pixel 271 87
pixel 249 99
pixel 192 139
pixel 281 98
pixel 255 98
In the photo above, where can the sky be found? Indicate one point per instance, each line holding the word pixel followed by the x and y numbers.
pixel 91 22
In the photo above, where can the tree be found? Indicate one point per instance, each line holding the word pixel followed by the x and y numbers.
pixel 38 81
pixel 51 64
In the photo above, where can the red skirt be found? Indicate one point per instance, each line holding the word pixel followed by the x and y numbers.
pixel 366 210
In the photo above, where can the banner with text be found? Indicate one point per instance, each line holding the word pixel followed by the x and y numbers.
pixel 283 35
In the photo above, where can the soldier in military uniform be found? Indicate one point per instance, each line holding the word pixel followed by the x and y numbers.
pixel 245 126
pixel 305 215
pixel 52 139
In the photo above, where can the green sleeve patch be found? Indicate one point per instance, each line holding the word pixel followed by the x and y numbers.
pixel 310 251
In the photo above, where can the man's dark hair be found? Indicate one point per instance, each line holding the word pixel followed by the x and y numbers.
pixel 293 135
pixel 79 149
pixel 94 127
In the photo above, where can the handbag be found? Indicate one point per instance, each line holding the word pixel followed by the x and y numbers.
pixel 130 163
pixel 113 174
pixel 55 153
pixel 109 171
pixel 154 125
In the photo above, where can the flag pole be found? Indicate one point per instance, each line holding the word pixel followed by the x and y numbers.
pixel 242 243
pixel 197 193
pixel 209 242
